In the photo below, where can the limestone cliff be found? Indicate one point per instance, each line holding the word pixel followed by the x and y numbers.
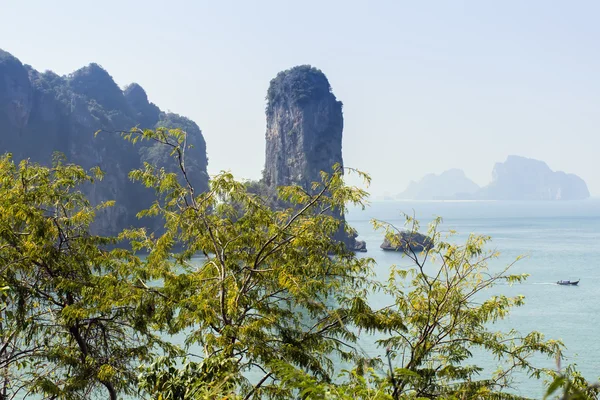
pixel 41 113
pixel 304 131
pixel 520 178
pixel 304 127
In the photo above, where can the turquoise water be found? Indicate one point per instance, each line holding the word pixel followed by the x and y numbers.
pixel 559 240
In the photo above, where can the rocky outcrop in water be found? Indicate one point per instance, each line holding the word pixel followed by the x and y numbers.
pixel 449 184
pixel 520 178
pixel 406 241
pixel 41 113
pixel 304 131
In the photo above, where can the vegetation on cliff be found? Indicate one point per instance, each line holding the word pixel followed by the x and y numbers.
pixel 297 86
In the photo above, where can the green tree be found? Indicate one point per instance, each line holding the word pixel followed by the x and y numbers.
pixel 441 315
pixel 271 285
pixel 74 314
pixel 275 294
pixel 271 296
pixel 572 385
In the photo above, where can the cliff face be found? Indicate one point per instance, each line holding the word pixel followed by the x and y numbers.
pixel 304 131
pixel 41 113
pixel 520 178
pixel 304 128
pixel 449 184
pixel 16 95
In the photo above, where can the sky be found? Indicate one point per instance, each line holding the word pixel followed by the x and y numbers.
pixel 426 86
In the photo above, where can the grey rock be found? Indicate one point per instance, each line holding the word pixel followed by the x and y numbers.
pixel 304 132
pixel 304 128
pixel 407 241
pixel 360 246
pixel 16 95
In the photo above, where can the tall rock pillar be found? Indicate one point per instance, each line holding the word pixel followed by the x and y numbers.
pixel 304 127
pixel 304 131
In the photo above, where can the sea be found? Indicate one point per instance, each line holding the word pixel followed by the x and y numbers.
pixel 557 240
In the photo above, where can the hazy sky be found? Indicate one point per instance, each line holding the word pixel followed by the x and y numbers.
pixel 426 86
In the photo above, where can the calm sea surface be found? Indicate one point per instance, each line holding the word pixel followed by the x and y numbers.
pixel 561 240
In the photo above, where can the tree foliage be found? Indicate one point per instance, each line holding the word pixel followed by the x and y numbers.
pixel 441 316
pixel 73 316
pixel 271 283
pixel 264 297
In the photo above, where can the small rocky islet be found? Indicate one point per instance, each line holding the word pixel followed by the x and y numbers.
pixel 407 241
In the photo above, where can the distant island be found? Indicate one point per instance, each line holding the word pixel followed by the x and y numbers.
pixel 517 178
pixel 520 178
pixel 447 185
